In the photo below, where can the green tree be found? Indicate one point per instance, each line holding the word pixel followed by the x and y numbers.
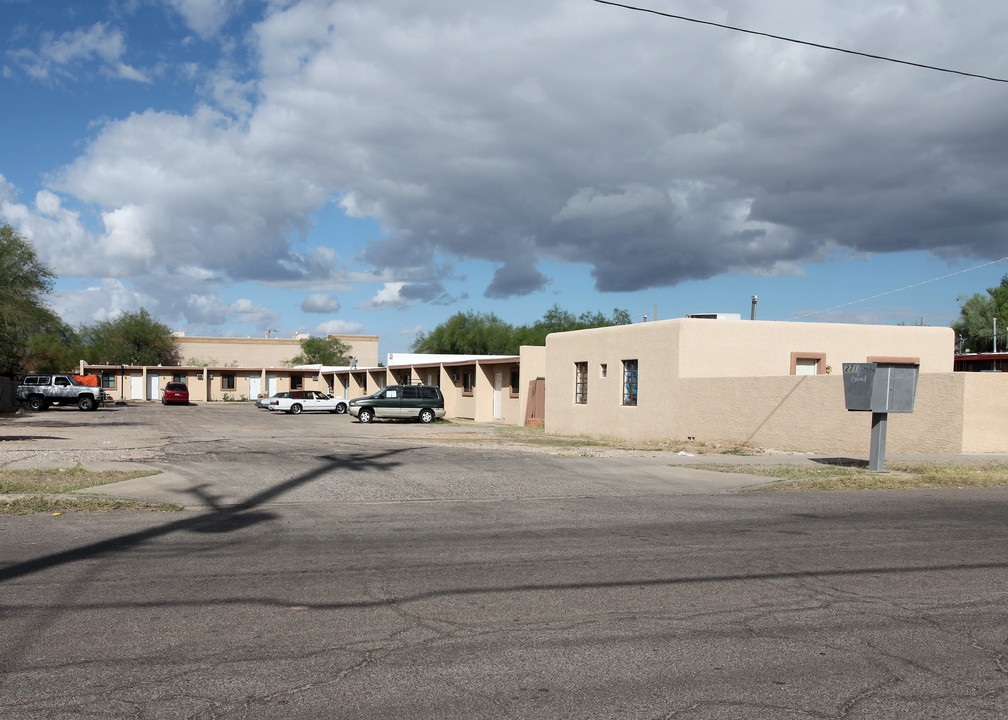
pixel 24 283
pixel 475 333
pixel 558 320
pixel 130 339
pixel 322 351
pixel 975 325
pixel 55 349
pixel 468 333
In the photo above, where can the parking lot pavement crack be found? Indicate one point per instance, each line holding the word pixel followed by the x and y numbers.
pixel 308 687
pixel 852 703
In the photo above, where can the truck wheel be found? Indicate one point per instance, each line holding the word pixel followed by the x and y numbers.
pixel 86 402
pixel 426 415
pixel 36 402
pixel 365 415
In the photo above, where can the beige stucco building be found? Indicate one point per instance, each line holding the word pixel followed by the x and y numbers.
pixel 229 369
pixel 263 352
pixel 484 388
pixel 769 384
pixel 775 385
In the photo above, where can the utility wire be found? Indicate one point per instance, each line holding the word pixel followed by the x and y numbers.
pixel 803 42
pixel 891 292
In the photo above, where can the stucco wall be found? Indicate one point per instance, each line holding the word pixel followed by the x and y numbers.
pixel 799 414
pixel 262 352
pixel 533 366
pixel 655 348
pixel 744 348
pixel 694 380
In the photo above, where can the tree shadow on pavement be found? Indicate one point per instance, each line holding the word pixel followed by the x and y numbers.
pixel 219 519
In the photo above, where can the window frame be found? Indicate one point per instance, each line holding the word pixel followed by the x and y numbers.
pixel 581 383
pixel 819 357
pixel 631 383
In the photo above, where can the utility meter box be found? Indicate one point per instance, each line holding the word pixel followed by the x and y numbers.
pixel 880 387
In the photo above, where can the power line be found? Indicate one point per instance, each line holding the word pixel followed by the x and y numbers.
pixel 803 42
pixel 891 292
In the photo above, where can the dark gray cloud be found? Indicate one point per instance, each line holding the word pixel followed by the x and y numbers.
pixel 523 133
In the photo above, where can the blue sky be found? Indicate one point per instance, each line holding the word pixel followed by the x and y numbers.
pixel 237 166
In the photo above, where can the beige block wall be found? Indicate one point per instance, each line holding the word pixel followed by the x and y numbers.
pixel 745 348
pixel 808 414
pixel 985 412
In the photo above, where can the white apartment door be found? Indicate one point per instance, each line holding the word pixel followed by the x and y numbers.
pixel 136 387
pixel 152 387
pixel 271 384
pixel 255 386
pixel 498 402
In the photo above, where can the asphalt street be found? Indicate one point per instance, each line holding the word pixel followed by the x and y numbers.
pixel 328 569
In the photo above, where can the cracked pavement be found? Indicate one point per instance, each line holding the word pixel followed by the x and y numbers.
pixel 327 569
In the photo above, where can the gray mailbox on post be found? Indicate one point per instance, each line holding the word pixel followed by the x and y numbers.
pixel 880 388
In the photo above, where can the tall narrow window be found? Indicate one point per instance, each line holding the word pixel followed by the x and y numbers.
pixel 581 383
pixel 629 382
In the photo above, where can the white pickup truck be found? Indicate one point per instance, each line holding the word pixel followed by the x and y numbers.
pixel 41 391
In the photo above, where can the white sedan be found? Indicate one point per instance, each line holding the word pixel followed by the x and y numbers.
pixel 298 401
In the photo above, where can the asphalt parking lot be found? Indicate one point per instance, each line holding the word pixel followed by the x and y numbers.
pixel 324 568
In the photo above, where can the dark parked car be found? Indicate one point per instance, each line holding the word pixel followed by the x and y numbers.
pixel 175 392
pixel 422 402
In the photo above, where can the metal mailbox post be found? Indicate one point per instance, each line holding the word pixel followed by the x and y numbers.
pixel 880 388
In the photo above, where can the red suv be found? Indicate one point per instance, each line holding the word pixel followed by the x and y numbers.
pixel 175 392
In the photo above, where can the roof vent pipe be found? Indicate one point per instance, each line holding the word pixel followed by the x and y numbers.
pixel 752 315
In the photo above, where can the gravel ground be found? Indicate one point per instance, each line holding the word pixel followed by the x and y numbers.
pixel 147 432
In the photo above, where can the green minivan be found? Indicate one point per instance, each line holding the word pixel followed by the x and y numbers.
pixel 423 402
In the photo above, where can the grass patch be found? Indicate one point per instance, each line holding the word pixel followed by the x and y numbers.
pixel 49 490
pixel 61 480
pixel 536 436
pixel 34 504
pixel 898 477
